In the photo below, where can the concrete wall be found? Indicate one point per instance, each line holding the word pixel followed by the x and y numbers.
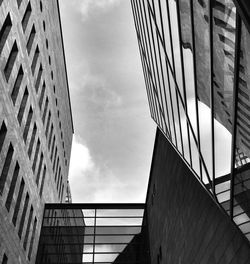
pixel 51 58
pixel 185 224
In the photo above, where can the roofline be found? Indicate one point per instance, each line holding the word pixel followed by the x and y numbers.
pixel 65 67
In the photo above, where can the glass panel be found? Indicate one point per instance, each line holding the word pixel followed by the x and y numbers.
pixel 241 210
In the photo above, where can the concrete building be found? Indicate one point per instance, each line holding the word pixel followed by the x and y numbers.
pixel 35 123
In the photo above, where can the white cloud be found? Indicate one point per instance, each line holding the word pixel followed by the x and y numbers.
pixel 87 7
pixel 90 182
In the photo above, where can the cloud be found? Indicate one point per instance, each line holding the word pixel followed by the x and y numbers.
pixel 88 7
pixel 90 182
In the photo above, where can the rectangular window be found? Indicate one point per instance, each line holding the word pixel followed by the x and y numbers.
pixel 25 242
pixel 58 177
pixel 39 169
pixel 12 187
pixel 34 61
pixel 27 125
pixel 18 202
pixel 20 230
pixel 47 125
pixel 60 186
pixel 31 39
pixel 45 109
pixel 52 149
pixel 3 132
pixel 54 160
pixel 32 238
pixel 50 135
pixel 22 106
pixel 36 154
pixel 11 61
pixel 31 144
pixel 42 95
pixel 5 259
pixel 17 85
pixel 26 17
pixel 57 164
pixel 62 192
pixel 6 167
pixel 43 179
pixel 39 75
pixel 5 31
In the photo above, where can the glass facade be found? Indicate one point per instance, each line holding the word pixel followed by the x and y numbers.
pixel 93 233
pixel 196 58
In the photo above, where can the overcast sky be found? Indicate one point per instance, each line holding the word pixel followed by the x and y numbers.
pixel 114 134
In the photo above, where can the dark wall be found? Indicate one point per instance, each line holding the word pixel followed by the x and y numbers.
pixel 185 225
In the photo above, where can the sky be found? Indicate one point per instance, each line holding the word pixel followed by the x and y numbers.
pixel 113 132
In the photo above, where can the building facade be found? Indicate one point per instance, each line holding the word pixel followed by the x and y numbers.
pixel 195 58
pixel 35 123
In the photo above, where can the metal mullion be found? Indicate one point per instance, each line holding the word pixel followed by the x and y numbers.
pixel 145 40
pixel 164 88
pixel 93 258
pixel 183 76
pixel 211 2
pixel 156 63
pixel 161 67
pixel 152 61
pixel 235 105
pixel 154 89
pixel 195 84
pixel 150 99
pixel 170 93
pixel 174 76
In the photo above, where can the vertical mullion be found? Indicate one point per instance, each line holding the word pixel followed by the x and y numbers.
pixel 174 75
pixel 183 78
pixel 137 27
pixel 152 61
pixel 211 2
pixel 195 85
pixel 157 70
pixel 235 104
pixel 147 52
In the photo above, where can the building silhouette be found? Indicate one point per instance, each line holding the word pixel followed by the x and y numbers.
pixel 35 123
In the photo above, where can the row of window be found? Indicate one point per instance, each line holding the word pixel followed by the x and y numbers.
pixel 15 194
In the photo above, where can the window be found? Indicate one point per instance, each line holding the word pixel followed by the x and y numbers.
pixel 6 167
pixel 49 60
pixel 17 85
pixel 11 61
pixel 50 135
pixel 59 176
pixel 26 17
pixel 39 169
pixel 34 61
pixel 44 27
pixel 45 109
pixel 20 230
pixel 5 31
pixel 32 238
pixel 47 43
pixel 32 140
pixel 57 164
pixel 47 125
pixel 36 154
pixel 52 75
pixel 22 106
pixel 18 202
pixel 60 186
pixel 28 228
pixel 31 39
pixel 19 3
pixel 5 259
pixel 27 125
pixel 12 187
pixel 41 6
pixel 62 192
pixel 42 95
pixel 52 150
pixel 3 132
pixel 54 160
pixel 39 75
pixel 43 178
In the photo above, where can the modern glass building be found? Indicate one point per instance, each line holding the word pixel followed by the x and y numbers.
pixel 196 58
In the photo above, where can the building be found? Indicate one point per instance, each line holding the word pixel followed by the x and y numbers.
pixel 195 59
pixel 35 123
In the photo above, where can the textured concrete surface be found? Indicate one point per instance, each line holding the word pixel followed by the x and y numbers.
pixel 51 59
